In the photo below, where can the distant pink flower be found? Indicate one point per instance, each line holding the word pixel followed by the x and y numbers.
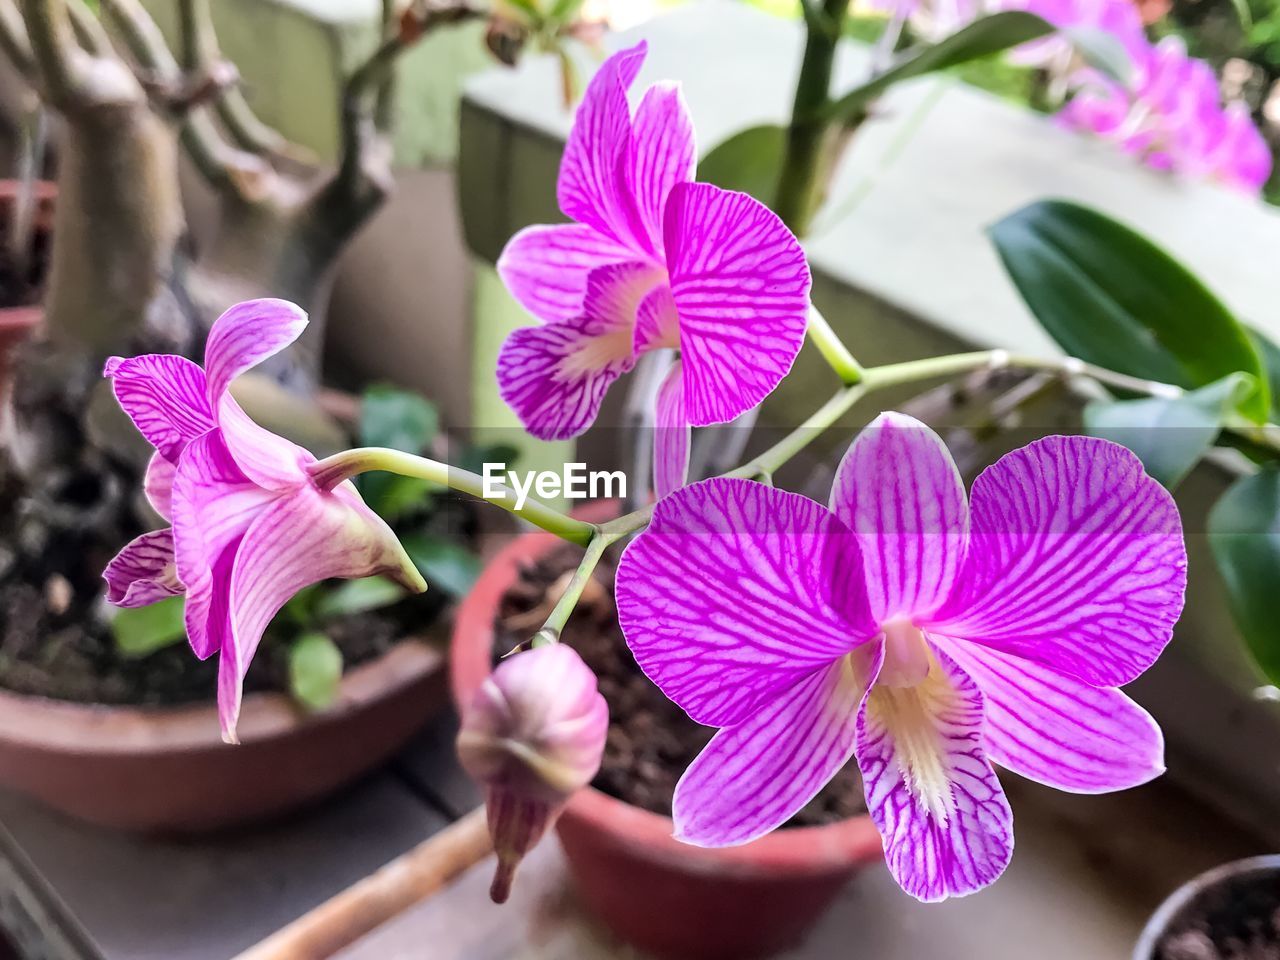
pixel 250 528
pixel 1172 118
pixel 934 19
pixel 1119 18
pixel 652 260
pixel 532 736
pixel 923 633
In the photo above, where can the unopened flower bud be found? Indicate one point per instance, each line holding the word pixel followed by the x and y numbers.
pixel 534 734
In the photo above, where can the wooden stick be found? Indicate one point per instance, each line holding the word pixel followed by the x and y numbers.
pixel 411 877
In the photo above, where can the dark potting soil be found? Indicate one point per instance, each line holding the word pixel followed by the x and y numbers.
pixel 1235 920
pixel 651 741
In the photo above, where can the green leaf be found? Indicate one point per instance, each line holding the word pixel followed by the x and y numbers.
pixel 1101 50
pixel 359 596
pixel 1111 297
pixel 315 671
pixel 748 161
pixel 474 458
pixel 1170 435
pixel 1244 534
pixel 397 419
pixel 1270 354
pixel 1243 14
pixel 992 34
pixel 139 631
pixel 446 564
pixel 397 496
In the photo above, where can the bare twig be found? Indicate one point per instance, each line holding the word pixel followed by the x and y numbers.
pixel 88 30
pixel 13 39
pixel 386 92
pixel 58 58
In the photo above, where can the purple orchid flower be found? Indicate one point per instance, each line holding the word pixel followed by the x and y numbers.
pixel 933 19
pixel 653 260
pixel 1119 18
pixel 924 634
pixel 1172 118
pixel 249 526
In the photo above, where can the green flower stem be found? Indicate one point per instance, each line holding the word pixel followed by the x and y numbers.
pixel 833 349
pixel 328 473
pixel 573 592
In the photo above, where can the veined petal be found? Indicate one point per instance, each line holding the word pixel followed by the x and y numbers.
pixel 735 592
pixel 555 376
pixel 213 505
pixel 1059 731
pixel 165 396
pixel 670 435
pixel 592 187
pixel 757 774
pixel 296 541
pixel 1076 560
pixel 143 572
pixel 546 267
pixel 270 461
pixel 244 336
pixel 657 324
pixel 157 484
pixel 741 287
pixel 663 151
pixel 899 491
pixel 946 825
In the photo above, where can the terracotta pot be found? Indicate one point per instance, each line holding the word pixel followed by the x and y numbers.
pixel 1187 899
pixel 166 770
pixel 672 899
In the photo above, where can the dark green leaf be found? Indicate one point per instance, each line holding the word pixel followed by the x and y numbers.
pixel 139 631
pixel 992 34
pixel 748 161
pixel 359 596
pixel 1170 435
pixel 474 458
pixel 1270 354
pixel 446 564
pixel 397 496
pixel 300 609
pixel 315 670
pixel 1244 533
pixel 397 419
pixel 1112 297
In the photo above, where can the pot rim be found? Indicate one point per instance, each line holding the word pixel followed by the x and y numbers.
pixel 1181 898
pixel 44 724
pixel 798 850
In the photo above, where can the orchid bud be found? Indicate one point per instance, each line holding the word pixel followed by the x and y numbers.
pixel 534 734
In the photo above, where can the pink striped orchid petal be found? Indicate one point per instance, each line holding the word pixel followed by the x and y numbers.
pixel 157 484
pixel 555 376
pixel 670 435
pixel 735 592
pixel 1076 561
pixel 143 572
pixel 663 152
pixel 759 772
pixel 546 267
pixel 899 491
pixel 165 396
pixel 1058 731
pixel 241 338
pixel 213 504
pixel 294 542
pixel 592 188
pixel 946 826
pixel 657 325
pixel 741 287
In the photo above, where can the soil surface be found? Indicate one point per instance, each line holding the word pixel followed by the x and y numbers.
pixel 1236 920
pixel 651 741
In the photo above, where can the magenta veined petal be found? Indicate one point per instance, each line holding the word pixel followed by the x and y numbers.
pixel 1076 561
pixel 165 396
pixel 143 572
pixel 213 504
pixel 555 376
pixel 671 435
pixel 899 491
pixel 657 326
pixel 756 774
pixel 1057 730
pixel 946 825
pixel 546 267
pixel 294 542
pixel 593 186
pixel 740 283
pixel 663 152
pixel 735 592
pixel 157 484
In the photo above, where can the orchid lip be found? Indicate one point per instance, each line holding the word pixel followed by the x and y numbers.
pixel 906 654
